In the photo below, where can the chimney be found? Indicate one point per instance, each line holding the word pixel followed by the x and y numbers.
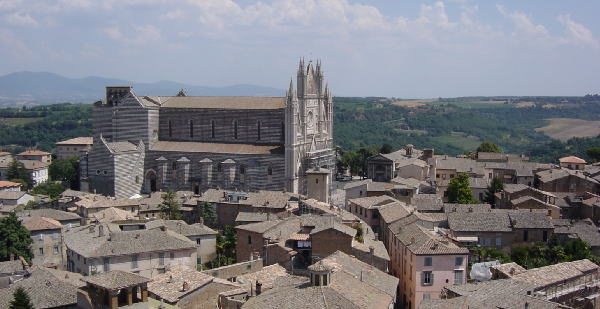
pixel 361 275
pixel 100 230
pixel 258 288
pixel 92 228
pixel 185 286
pixel 372 254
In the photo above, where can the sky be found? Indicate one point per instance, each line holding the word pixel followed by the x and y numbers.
pixel 399 48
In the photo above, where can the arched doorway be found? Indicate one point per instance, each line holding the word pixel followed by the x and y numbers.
pixel 151 183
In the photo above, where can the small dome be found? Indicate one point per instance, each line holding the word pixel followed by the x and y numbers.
pixel 320 267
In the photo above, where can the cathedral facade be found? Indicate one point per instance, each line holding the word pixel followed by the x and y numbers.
pixel 151 143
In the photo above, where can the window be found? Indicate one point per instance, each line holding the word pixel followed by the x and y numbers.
pixel 360 193
pixel 427 278
pixel 317 180
pixel 428 261
pixel 170 129
pixel 235 129
pixel 270 171
pixel 41 250
pixel 137 179
pixel 198 241
pixel 174 165
pixel 55 250
pixel 451 176
pixel 426 296
pixel 161 259
pixel 437 175
pixel 525 235
pixel 191 129
pixel 97 172
pixel 242 169
pixel 106 262
pixel 172 255
pixel 105 172
pixel 458 276
pixel 498 241
pixel 40 236
pixel 545 235
pixel 134 262
pixel 458 261
pixel 258 127
pixel 249 239
pixel 212 128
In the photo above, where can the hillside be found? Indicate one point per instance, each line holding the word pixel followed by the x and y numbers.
pixel 33 88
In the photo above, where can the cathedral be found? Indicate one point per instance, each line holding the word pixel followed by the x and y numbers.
pixel 152 143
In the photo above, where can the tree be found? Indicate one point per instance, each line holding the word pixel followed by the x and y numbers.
pixel 17 171
pixel 53 190
pixel 65 170
pixel 359 233
pixel 495 187
pixel 14 239
pixel 594 153
pixel 20 300
pixel 208 213
pixel 386 148
pixel 488 147
pixel 170 207
pixel 459 191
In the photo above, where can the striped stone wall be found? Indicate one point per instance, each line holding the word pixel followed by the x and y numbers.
pixel 182 121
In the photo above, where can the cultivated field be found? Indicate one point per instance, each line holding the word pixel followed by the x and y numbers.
pixel 566 128
pixel 413 103
pixel 17 121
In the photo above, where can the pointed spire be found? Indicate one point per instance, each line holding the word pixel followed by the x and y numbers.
pixel 301 66
pixel 291 89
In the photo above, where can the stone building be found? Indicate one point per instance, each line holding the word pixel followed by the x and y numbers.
pixel 146 144
pixel 47 242
pixel 75 147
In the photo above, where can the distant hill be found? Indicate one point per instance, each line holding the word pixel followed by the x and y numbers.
pixel 35 88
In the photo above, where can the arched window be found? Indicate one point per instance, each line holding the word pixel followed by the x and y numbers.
pixel 191 128
pixel 174 165
pixel 235 129
pixel 258 127
pixel 270 171
pixel 212 128
pixel 242 169
pixel 170 129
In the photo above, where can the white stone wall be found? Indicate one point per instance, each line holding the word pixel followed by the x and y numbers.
pixel 148 264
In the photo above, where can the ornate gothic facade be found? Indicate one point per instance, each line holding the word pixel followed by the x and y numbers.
pixel 150 143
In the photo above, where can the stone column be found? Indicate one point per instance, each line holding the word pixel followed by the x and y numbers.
pixel 144 293
pixel 206 166
pixel 228 173
pixel 185 163
pixel 129 296
pixel 114 299
pixel 162 170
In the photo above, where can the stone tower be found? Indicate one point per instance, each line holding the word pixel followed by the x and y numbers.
pixel 308 126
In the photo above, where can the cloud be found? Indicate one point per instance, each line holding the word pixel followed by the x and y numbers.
pixel 577 33
pixel 20 19
pixel 12 45
pixel 9 4
pixel 523 23
pixel 177 14
pixel 143 35
pixel 435 14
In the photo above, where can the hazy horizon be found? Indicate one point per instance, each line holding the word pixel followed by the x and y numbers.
pixel 407 49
